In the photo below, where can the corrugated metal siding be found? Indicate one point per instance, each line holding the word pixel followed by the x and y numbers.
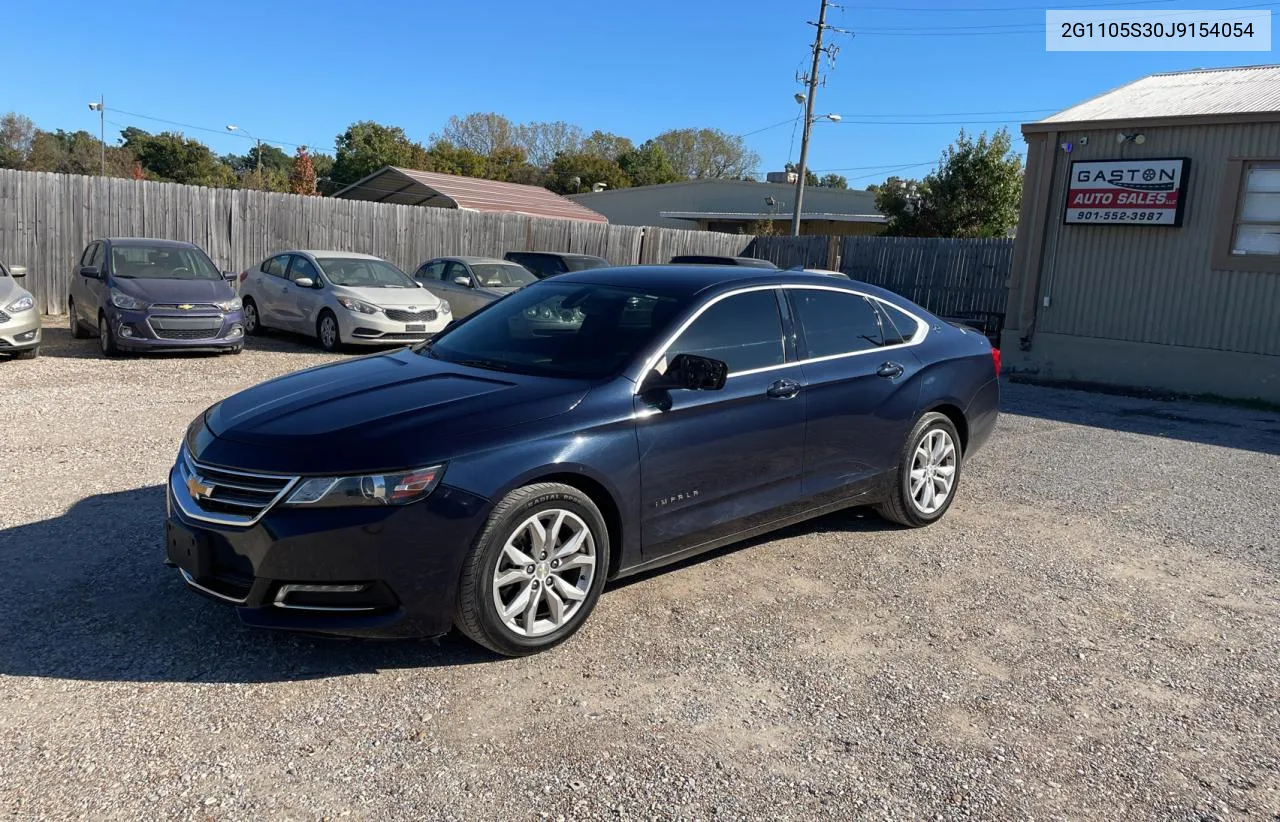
pixel 1246 89
pixel 1148 284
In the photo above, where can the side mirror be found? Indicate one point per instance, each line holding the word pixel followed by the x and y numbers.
pixel 91 272
pixel 690 372
pixel 229 275
pixel 18 272
pixel 305 282
pixel 463 281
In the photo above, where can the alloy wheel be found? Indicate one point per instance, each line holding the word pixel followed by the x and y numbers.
pixel 104 335
pixel 544 573
pixel 250 318
pixel 933 471
pixel 328 332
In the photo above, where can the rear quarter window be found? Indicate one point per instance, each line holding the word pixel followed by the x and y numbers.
pixel 899 326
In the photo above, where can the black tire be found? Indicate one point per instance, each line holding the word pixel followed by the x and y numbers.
pixel 476 612
pixel 77 330
pixel 334 342
pixel 107 338
pixel 235 349
pixel 252 319
pixel 29 354
pixel 901 506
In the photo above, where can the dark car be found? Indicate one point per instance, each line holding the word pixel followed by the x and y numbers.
pixel 154 295
pixel 470 283
pixel 711 259
pixel 584 428
pixel 545 264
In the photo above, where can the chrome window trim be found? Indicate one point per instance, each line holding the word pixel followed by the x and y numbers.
pixel 187 466
pixel 922 330
pixel 190 580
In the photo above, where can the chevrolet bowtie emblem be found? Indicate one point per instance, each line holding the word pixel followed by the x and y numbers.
pixel 186 306
pixel 198 489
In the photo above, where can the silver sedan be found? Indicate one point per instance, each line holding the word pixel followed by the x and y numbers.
pixel 470 283
pixel 19 320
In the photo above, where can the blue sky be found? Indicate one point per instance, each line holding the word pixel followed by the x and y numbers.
pixel 300 73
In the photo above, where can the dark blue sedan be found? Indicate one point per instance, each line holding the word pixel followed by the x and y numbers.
pixel 587 427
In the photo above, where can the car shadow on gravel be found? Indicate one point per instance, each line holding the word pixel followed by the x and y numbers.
pixel 1211 423
pixel 87 597
pixel 56 341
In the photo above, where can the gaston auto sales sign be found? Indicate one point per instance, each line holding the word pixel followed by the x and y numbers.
pixel 1127 192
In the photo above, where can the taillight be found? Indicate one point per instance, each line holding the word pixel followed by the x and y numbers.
pixel 995 359
pixel 244 275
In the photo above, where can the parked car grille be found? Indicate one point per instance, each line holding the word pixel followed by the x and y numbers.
pixel 186 328
pixel 410 316
pixel 232 497
pixel 186 307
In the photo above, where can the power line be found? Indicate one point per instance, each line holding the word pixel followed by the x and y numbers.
pixel 221 131
pixel 766 128
pixel 968 9
pixel 1031 28
pixel 889 166
pixel 955 113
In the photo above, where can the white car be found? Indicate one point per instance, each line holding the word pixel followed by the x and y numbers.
pixel 340 298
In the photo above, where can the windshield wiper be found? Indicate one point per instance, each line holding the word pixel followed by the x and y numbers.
pixel 485 364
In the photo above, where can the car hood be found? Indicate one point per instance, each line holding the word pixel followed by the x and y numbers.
pixel 175 291
pixel 380 412
pixel 418 298
pixel 10 291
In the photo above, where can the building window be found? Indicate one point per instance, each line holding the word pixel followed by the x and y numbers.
pixel 1257 224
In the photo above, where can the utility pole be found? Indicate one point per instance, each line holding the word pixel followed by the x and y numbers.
pixel 812 81
pixel 101 108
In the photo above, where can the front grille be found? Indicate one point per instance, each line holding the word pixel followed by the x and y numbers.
pixel 410 316
pixel 370 334
pixel 186 328
pixel 227 495
pixel 186 307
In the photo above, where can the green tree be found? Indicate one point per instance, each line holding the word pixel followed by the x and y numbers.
pixel 575 172
pixel 367 146
pixel 833 181
pixel 541 142
pixel 323 164
pixel 446 158
pixel 698 153
pixel 810 179
pixel 171 156
pixel 907 205
pixel 647 165
pixel 607 145
pixel 17 132
pixel 510 165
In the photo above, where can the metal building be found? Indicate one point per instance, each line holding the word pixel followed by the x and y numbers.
pixel 1148 245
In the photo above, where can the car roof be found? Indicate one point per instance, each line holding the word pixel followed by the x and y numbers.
pixel 476 260
pixel 559 254
pixel 684 281
pixel 128 241
pixel 321 254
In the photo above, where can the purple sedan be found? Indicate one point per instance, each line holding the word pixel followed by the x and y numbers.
pixel 154 295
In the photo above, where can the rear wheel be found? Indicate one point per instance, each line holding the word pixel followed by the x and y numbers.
pixel 536 571
pixel 928 475
pixel 77 330
pixel 107 339
pixel 327 333
pixel 252 322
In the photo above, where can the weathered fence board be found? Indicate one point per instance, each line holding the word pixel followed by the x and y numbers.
pixel 47 219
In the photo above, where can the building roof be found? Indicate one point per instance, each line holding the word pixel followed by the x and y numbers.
pixel 1242 92
pixel 680 204
pixel 427 188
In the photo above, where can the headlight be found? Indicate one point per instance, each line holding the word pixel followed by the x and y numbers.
pixel 372 489
pixel 20 304
pixel 444 307
pixel 122 300
pixel 352 304
pixel 231 305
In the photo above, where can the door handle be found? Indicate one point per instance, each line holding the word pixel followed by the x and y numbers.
pixel 890 370
pixel 783 389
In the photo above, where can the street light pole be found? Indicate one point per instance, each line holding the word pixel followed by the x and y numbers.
pixel 101 108
pixel 257 143
pixel 808 119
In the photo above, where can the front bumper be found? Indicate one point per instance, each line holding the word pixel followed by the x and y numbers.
pixel 176 330
pixel 394 569
pixel 378 329
pixel 19 332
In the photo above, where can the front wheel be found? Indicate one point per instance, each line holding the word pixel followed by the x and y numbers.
pixel 107 339
pixel 77 330
pixel 327 333
pixel 252 322
pixel 928 474
pixel 536 571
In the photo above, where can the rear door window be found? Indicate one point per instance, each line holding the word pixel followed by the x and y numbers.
pixel 276 265
pixel 744 331
pixel 836 322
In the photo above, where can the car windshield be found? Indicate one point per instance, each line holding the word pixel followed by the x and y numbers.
pixel 357 272
pixel 502 275
pixel 558 329
pixel 584 263
pixel 160 262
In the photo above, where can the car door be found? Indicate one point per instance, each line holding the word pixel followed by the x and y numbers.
pixel 268 290
pixel 79 291
pixel 429 276
pixel 300 304
pixel 862 395
pixel 714 463
pixel 96 289
pixel 463 299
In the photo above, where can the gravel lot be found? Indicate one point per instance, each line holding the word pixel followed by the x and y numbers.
pixel 1092 632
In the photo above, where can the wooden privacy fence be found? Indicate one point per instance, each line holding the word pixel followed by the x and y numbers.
pixel 46 220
